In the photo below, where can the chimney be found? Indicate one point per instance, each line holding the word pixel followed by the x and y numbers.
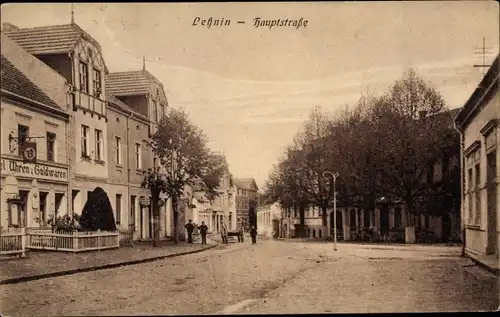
pixel 6 26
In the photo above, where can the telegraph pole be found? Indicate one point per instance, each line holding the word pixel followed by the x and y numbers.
pixel 483 51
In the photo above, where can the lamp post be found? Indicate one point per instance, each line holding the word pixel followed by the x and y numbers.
pixel 334 177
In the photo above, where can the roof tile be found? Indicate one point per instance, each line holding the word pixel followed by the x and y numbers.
pixel 129 83
pixel 14 81
pixel 48 39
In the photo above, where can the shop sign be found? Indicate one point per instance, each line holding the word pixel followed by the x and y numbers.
pixel 9 167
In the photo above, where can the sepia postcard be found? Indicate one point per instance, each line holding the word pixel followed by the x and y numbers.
pixel 220 158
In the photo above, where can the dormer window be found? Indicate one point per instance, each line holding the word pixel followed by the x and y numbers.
pixel 84 75
pixel 96 82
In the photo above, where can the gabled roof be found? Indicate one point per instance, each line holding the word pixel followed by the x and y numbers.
pixel 50 39
pixel 130 83
pixel 14 81
pixel 488 84
pixel 123 106
pixel 245 183
pixel 53 39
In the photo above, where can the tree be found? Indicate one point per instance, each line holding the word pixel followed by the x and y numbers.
pixel 186 161
pixel 97 213
pixel 409 130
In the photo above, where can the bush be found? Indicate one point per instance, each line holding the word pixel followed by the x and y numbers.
pixel 64 223
pixel 97 213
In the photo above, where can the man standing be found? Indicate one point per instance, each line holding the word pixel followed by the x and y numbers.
pixel 253 234
pixel 203 231
pixel 189 227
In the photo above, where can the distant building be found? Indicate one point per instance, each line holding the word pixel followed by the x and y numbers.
pixel 34 109
pixel 246 190
pixel 221 209
pixel 479 125
pixel 268 219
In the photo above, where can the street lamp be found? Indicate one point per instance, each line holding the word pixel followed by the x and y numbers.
pixel 334 177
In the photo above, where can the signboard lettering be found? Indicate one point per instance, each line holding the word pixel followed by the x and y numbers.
pixel 37 171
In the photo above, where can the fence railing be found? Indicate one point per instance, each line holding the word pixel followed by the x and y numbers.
pixel 12 242
pixel 126 235
pixel 72 241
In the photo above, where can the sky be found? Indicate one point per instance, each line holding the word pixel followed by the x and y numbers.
pixel 250 89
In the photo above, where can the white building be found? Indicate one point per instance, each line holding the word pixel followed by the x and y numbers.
pixel 478 122
pixel 34 109
pixel 268 219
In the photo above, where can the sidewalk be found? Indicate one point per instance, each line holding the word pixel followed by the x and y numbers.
pixel 44 264
pixel 489 262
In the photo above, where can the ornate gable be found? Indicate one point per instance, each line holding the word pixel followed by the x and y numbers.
pixel 87 52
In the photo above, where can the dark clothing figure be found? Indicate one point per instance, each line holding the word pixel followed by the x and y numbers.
pixel 189 227
pixel 242 235
pixel 203 232
pixel 253 234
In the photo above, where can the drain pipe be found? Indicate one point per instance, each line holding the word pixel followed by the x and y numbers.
pixel 462 189
pixel 132 227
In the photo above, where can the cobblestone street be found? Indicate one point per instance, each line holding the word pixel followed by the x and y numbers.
pixel 270 277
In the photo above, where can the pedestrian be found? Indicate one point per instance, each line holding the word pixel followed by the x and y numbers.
pixel 253 234
pixel 224 234
pixel 203 231
pixel 242 235
pixel 189 227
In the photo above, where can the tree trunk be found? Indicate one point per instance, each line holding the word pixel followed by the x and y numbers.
pixel 410 213
pixel 324 224
pixel 175 212
pixel 155 197
pixel 302 214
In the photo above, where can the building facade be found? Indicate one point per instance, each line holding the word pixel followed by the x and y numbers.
pixel 479 125
pixel 221 210
pixel 34 168
pixel 77 57
pixel 246 189
pixel 268 219
pixel 145 96
pixel 128 131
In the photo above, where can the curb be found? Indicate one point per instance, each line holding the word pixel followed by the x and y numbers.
pixel 485 266
pixel 17 280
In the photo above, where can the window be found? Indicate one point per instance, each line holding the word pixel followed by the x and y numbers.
pixel 155 163
pixel 132 210
pixel 397 217
pixel 469 194
pixel 43 207
pixel 162 111
pixel 85 141
pixel 118 208
pixel 138 160
pixel 51 143
pixel 22 135
pixel 477 219
pixel 155 111
pixel 96 82
pixel 99 149
pixel 83 73
pixel 118 145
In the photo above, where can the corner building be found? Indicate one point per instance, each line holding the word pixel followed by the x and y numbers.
pixel 77 57
pixel 34 108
